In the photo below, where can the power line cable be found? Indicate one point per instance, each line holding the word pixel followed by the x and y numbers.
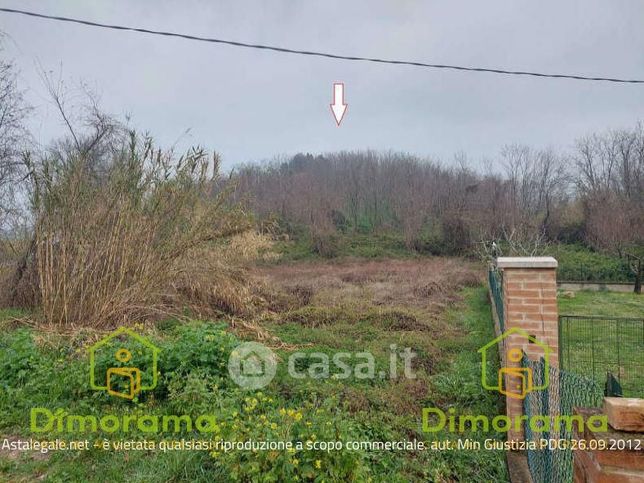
pixel 320 54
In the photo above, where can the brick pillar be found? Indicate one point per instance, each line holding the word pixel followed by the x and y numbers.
pixel 530 303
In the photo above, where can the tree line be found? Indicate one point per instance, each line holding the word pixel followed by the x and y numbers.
pixel 593 195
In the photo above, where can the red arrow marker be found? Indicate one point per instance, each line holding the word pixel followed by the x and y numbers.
pixel 338 107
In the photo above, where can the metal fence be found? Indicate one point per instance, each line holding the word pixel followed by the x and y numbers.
pixel 595 346
pixel 565 391
pixel 494 279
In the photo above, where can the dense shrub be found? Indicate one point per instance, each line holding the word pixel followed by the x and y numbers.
pixel 18 358
pixel 325 243
pixel 197 346
pixel 579 263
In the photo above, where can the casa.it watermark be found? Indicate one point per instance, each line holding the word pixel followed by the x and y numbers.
pixel 124 364
pixel 253 366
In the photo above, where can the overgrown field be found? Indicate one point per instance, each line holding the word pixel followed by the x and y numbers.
pixel 437 307
pixel 576 261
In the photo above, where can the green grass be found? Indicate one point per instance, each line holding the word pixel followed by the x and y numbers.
pixel 384 245
pixel 7 314
pixel 449 376
pixel 607 304
pixel 51 371
pixel 594 346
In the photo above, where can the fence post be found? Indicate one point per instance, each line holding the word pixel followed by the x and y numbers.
pixel 530 303
pixel 546 409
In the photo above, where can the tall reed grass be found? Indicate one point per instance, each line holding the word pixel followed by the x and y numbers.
pixel 132 234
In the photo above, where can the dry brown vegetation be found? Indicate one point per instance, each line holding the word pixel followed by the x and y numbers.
pixel 394 295
pixel 124 232
pixel 428 284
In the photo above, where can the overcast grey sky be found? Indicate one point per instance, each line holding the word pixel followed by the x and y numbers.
pixel 252 104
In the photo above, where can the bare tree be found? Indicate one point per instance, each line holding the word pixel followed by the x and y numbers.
pixel 610 182
pixel 537 181
pixel 13 135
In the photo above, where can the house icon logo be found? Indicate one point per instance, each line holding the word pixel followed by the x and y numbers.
pixel 515 381
pixel 252 365
pixel 123 363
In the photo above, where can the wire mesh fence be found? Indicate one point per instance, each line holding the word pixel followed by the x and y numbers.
pixel 595 346
pixel 494 279
pixel 565 391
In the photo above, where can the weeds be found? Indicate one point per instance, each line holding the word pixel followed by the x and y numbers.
pixel 347 311
pixel 132 234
